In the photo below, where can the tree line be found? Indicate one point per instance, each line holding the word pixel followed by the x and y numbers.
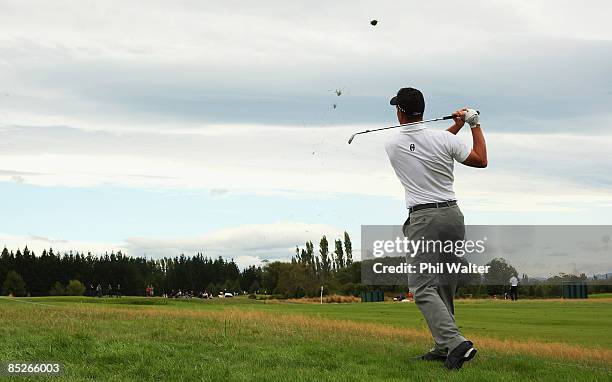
pixel 40 274
pixel 329 266
pixel 310 270
pixel 52 273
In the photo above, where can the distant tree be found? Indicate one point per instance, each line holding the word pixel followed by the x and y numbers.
pixel 227 286
pixel 57 289
pixel 557 279
pixel 235 286
pixel 254 287
pixel 339 254
pixel 298 257
pixel 525 279
pixel 348 249
pixel 211 288
pixel 75 288
pixel 186 273
pixel 349 274
pixel 499 274
pixel 292 280
pixel 270 276
pixel 14 285
pixel 311 264
pixel 326 265
pixel 249 276
pixel 539 291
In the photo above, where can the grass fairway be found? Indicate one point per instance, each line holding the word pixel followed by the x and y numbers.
pixel 245 340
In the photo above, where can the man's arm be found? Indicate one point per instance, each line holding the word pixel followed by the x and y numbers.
pixel 454 129
pixel 478 155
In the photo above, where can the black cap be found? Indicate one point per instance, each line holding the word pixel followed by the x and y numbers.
pixel 410 101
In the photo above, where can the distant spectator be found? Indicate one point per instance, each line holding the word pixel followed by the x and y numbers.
pixel 99 290
pixel 514 288
pixel 118 293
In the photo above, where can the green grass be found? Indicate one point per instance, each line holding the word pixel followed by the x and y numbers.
pixel 245 340
pixel 600 295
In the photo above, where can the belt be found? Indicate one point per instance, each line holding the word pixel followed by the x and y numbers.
pixel 432 205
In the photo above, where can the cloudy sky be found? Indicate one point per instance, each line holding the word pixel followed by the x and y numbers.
pixel 164 127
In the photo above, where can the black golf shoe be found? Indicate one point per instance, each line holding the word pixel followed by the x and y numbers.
pixel 433 357
pixel 462 353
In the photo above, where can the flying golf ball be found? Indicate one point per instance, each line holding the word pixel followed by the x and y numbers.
pixel 374 22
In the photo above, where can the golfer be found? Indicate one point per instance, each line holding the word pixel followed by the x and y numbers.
pixel 423 160
pixel 513 288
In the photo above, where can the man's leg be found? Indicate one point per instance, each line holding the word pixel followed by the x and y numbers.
pixel 514 293
pixel 428 290
pixel 440 320
pixel 446 288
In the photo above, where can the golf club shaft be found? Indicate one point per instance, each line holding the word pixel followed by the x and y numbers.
pixel 396 126
pixel 404 124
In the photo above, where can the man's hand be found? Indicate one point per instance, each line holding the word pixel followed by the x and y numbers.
pixel 459 122
pixel 471 117
pixel 458 117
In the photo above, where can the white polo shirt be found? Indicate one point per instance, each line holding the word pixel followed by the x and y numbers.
pixel 423 161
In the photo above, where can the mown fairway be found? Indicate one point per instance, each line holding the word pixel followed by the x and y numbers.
pixel 245 340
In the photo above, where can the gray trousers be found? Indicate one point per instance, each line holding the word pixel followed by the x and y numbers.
pixel 434 292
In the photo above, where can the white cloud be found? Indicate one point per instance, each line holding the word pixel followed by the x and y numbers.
pixel 558 171
pixel 39 243
pixel 161 65
pixel 246 243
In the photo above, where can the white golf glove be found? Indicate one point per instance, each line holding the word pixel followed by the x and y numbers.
pixel 471 117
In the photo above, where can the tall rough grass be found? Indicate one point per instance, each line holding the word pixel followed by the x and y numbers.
pixel 332 299
pixel 74 319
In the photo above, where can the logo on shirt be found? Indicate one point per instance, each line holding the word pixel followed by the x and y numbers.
pixel 412 147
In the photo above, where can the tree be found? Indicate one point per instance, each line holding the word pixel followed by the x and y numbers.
pixel 42 273
pixel 499 275
pixel 298 257
pixel 212 289
pixel 312 261
pixel 249 276
pixel 75 288
pixel 254 287
pixel 14 285
pixel 339 252
pixel 325 260
pixel 57 289
pixel 292 280
pixel 348 249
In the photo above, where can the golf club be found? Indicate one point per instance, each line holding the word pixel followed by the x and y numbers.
pixel 405 124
